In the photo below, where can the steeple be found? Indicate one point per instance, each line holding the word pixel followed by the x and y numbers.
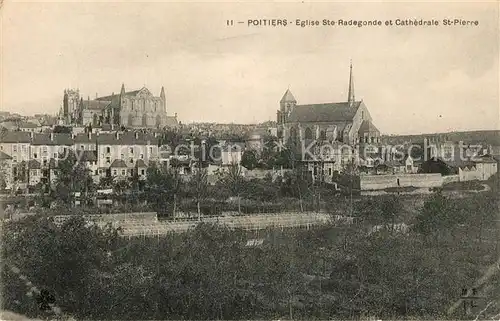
pixel 350 97
pixel 288 97
pixel 163 98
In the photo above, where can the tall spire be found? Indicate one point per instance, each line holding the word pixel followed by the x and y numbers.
pixel 350 98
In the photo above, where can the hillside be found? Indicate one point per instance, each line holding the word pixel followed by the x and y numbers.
pixel 488 137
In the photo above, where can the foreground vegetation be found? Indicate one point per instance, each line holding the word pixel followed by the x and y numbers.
pixel 211 273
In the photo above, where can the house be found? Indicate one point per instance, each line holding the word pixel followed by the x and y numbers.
pixel 482 168
pixel 16 145
pixel 130 147
pixel 231 153
pixel 29 127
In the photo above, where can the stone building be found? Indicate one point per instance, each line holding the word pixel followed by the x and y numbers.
pixel 347 122
pixel 132 109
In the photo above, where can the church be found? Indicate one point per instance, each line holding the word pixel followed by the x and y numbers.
pixel 131 109
pixel 347 122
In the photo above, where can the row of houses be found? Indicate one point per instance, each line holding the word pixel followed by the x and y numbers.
pixel 30 158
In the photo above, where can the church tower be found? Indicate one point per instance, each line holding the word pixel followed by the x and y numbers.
pixel 287 103
pixel 70 108
pixel 350 98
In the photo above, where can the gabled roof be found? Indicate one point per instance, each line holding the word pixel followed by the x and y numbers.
pixel 34 164
pixel 368 127
pixel 118 163
pixel 328 112
pixel 288 97
pixel 4 156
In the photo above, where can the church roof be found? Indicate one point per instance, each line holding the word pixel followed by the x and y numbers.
pixel 95 104
pixel 368 127
pixel 288 97
pixel 328 112
pixel 116 96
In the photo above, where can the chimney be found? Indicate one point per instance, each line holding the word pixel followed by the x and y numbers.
pixel 51 136
pixel 95 95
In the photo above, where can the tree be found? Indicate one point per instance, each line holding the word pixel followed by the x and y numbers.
pixel 162 187
pixel 233 180
pixel 72 176
pixel 199 186
pixel 249 160
pixel 436 216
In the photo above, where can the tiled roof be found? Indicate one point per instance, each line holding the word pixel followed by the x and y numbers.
pixel 15 137
pixel 4 156
pixel 84 138
pixel 34 164
pixel 288 97
pixel 368 127
pixel 127 138
pixel 52 139
pixel 118 163
pixel 328 112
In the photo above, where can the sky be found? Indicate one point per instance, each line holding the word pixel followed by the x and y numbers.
pixel 412 79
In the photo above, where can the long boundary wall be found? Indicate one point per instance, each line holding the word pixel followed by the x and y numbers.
pixel 378 182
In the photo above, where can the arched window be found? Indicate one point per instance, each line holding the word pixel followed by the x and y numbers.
pixel 308 133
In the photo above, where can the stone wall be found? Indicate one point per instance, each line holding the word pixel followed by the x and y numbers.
pixel 378 182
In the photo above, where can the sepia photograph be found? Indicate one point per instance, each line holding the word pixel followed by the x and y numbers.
pixel 282 160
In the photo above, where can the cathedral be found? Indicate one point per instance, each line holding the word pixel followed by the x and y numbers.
pixel 346 122
pixel 132 109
